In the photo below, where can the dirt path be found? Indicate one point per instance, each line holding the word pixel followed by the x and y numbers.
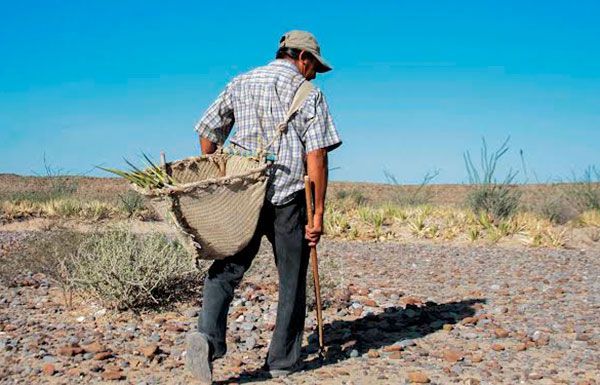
pixel 426 312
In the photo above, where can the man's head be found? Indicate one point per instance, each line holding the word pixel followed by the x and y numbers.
pixel 302 49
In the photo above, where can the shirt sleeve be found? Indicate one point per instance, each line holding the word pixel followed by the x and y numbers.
pixel 217 121
pixel 320 129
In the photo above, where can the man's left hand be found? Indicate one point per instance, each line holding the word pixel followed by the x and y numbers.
pixel 313 235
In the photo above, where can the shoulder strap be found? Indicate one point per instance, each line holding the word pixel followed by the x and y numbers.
pixel 301 94
pixel 299 98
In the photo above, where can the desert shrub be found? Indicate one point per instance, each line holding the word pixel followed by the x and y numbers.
pixel 584 192
pixel 354 197
pixel 126 270
pixel 49 253
pixel 555 208
pixel 498 200
pixel 411 195
pixel 131 202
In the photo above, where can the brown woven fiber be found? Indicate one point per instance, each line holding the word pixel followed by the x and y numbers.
pixel 216 215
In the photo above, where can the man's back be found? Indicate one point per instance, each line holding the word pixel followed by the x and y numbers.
pixel 257 102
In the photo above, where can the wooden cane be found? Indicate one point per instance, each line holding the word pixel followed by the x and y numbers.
pixel 314 263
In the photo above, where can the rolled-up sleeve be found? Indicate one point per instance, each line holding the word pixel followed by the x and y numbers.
pixel 320 129
pixel 217 121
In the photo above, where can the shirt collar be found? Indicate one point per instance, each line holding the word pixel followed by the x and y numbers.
pixel 284 63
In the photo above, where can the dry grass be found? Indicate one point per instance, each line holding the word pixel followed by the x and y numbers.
pixel 391 222
pixel 72 208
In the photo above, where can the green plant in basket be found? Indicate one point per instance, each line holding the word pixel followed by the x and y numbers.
pixel 152 176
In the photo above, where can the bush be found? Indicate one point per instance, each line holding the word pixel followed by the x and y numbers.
pixel 125 270
pixel 584 192
pixel 407 196
pixel 131 202
pixel 354 196
pixel 497 200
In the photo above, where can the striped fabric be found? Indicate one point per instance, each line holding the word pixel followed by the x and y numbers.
pixel 256 102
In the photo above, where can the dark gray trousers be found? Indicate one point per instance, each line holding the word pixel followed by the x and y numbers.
pixel 284 227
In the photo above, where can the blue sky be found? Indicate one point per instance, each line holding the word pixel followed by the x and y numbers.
pixel 414 85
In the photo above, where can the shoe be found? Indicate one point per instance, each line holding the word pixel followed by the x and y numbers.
pixel 278 373
pixel 197 358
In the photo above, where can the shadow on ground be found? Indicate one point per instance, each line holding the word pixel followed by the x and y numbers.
pixel 375 331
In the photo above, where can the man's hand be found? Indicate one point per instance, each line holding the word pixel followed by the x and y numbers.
pixel 207 147
pixel 313 235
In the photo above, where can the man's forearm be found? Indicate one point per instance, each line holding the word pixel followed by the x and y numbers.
pixel 316 164
pixel 206 146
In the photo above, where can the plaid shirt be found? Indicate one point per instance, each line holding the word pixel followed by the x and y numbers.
pixel 257 102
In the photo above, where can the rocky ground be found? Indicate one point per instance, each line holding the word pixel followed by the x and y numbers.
pixel 402 313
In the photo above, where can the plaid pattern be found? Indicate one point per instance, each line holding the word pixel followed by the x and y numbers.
pixel 257 102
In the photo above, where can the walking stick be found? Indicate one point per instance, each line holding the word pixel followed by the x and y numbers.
pixel 314 263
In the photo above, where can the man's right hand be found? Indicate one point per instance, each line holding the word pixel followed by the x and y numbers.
pixel 207 147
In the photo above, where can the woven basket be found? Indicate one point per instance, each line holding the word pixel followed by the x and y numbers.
pixel 216 203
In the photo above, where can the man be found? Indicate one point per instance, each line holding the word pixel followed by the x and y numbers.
pixel 257 103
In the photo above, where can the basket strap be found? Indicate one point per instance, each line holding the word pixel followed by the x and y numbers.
pixel 299 98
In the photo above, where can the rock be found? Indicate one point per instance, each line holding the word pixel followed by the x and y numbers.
pixel 535 376
pixel 477 357
pixel 395 355
pixel 354 353
pixel 501 333
pixel 472 381
pixel 112 375
pixel 469 320
pixel 103 356
pixel 582 337
pixel 69 351
pixel 370 303
pixel 176 327
pixel 448 327
pixel 373 353
pixel 149 351
pixel 418 377
pixel 450 355
pixel 48 369
pixel 94 347
pixel 392 348
pixel 520 347
pixel 497 347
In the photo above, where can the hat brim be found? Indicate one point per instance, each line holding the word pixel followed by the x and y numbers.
pixel 324 66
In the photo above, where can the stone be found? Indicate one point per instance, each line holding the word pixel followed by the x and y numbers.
pixel 176 327
pixel 48 369
pixel 69 351
pixel 418 377
pixel 501 333
pixel 94 347
pixel 373 353
pixel 535 376
pixel 103 356
pixel 520 347
pixel 469 320
pixel 112 375
pixel 149 351
pixel 395 355
pixel 477 357
pixel 392 348
pixel 451 355
pixel 448 327
pixel 497 347
pixel 354 353
pixel 370 303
